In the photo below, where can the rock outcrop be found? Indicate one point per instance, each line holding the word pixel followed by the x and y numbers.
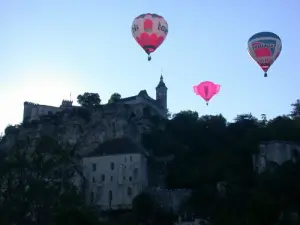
pixel 85 128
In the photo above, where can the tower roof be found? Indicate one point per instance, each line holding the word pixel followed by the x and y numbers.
pixel 161 83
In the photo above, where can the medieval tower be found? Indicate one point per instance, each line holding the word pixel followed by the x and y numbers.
pixel 161 94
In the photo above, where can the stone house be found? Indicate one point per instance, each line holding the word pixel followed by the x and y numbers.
pixel 273 154
pixel 115 173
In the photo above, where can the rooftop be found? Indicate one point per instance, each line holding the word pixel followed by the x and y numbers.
pixel 118 146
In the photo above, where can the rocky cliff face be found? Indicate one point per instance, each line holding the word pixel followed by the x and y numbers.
pixel 86 128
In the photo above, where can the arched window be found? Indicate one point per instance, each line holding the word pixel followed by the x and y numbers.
pixel 112 166
pixel 110 198
pixel 129 191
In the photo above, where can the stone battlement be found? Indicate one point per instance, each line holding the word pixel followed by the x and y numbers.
pixel 67 102
pixel 30 104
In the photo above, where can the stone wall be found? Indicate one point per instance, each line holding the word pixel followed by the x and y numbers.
pixel 274 153
pixel 170 199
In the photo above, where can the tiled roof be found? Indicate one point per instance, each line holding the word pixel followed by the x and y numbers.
pixel 117 146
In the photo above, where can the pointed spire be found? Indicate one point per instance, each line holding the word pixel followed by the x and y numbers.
pixel 161 82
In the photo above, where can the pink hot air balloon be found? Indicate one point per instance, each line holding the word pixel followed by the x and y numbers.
pixel 207 90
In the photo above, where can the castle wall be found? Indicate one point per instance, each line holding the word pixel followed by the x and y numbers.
pixel 33 111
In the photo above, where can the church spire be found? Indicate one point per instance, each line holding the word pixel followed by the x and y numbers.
pixel 161 94
pixel 161 83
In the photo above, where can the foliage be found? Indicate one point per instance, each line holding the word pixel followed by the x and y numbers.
pixel 143 207
pixel 114 98
pixel 10 129
pixel 89 100
pixel 36 186
pixel 147 211
pixel 208 150
pixel 296 109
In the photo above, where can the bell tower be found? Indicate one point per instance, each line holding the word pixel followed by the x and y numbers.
pixel 161 94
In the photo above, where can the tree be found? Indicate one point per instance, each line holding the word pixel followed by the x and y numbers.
pixel 143 207
pixel 208 149
pixel 114 98
pixel 89 99
pixel 296 109
pixel 146 210
pixel 37 185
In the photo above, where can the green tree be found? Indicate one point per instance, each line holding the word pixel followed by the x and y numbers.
pixel 37 184
pixel 89 99
pixel 114 98
pixel 295 109
pixel 143 207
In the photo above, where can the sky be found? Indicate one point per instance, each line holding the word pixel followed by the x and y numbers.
pixel 51 48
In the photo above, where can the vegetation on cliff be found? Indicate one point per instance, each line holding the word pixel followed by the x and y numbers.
pixel 210 152
pixel 37 187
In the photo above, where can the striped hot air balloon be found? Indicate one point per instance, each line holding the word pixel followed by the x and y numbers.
pixel 264 48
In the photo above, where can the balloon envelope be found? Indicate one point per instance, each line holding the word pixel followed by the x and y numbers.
pixel 264 48
pixel 149 31
pixel 207 90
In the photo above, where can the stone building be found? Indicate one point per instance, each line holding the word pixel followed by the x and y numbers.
pixel 114 164
pixel 116 172
pixel 273 154
pixel 33 111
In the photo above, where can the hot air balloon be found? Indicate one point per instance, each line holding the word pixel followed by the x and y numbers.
pixel 150 31
pixel 264 48
pixel 207 90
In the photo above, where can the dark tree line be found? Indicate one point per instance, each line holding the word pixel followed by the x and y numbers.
pixel 210 151
pixel 37 188
pixel 89 100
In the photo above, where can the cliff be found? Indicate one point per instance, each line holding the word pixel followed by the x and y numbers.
pixel 85 128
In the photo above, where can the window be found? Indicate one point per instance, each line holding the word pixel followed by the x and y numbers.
pixel 129 191
pixel 112 166
pixel 111 178
pixel 92 196
pixel 113 124
pixel 114 128
pixel 295 154
pixel 130 158
pixel 99 193
pixel 94 167
pixel 110 197
pixel 102 177
pixel 125 159
pixel 94 180
pixel 130 178
pixel 135 173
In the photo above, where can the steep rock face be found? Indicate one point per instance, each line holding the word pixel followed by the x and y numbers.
pixel 82 127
